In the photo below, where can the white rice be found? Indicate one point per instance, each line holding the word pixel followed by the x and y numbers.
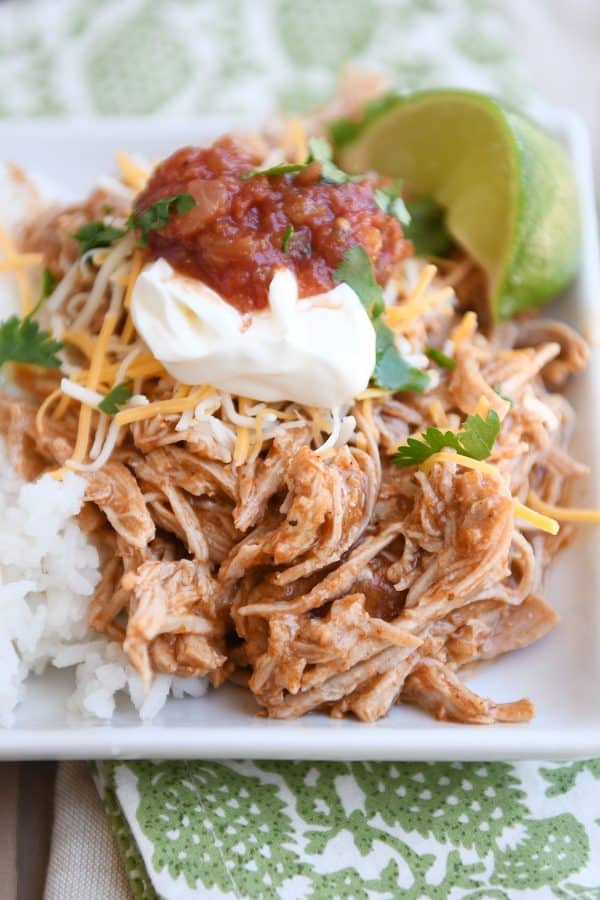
pixel 48 571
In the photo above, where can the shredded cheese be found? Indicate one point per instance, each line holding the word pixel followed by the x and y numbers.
pixel 563 513
pixel 145 366
pixel 160 407
pixel 398 316
pixel 242 446
pixel 373 394
pixel 543 522
pixel 12 255
pixel 134 175
pixel 84 395
pixel 438 414
pixel 465 328
pixel 482 407
pixel 128 330
pixel 61 407
pixel 538 520
pixel 449 456
pixel 49 400
pixel 80 339
pixel 295 138
pixel 20 261
pixel 93 377
pixel 137 264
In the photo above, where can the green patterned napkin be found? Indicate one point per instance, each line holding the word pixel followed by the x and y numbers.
pixel 281 829
pixel 356 830
pixel 196 56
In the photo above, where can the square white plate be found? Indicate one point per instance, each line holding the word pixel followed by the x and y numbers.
pixel 561 673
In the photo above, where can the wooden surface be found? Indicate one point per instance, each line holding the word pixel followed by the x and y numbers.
pixel 26 814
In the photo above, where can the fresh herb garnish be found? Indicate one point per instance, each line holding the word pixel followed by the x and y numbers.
pixel 427 227
pixel 391 372
pixel 158 214
pixel 475 440
pixel 356 270
pixel 22 341
pixel 446 362
pixel 287 237
pixel 49 282
pixel 388 199
pixel 322 152
pixel 116 398
pixel 94 235
pixel 274 171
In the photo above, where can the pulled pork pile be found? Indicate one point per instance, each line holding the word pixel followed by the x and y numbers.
pixel 323 577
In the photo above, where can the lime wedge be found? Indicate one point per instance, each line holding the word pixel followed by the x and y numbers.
pixel 506 185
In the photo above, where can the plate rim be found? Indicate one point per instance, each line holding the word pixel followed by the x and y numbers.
pixel 434 741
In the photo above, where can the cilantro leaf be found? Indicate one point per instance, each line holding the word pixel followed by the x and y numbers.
pixel 49 282
pixel 446 362
pixel 475 440
pixel 321 152
pixel 478 435
pixel 93 235
pixel 427 227
pixel 280 169
pixel 388 199
pixel 391 372
pixel 116 398
pixel 22 341
pixel 158 214
pixel 356 270
pixel 287 237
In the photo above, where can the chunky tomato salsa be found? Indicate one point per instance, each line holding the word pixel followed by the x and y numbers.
pixel 242 229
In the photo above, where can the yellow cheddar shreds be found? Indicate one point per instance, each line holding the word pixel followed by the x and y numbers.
pixel 134 175
pixel 482 407
pixel 465 329
pixel 398 316
pixel 563 513
pixel 128 330
pixel 80 339
pixel 43 408
pixel 460 460
pixel 9 249
pixel 61 407
pixel 93 377
pixel 20 261
pixel 242 446
pixel 137 264
pixel 438 414
pixel 294 139
pixel 161 407
pixel 373 394
pixel 538 520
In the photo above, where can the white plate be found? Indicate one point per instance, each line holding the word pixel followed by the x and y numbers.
pixel 561 673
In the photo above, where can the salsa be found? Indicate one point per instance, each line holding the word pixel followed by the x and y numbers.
pixel 242 229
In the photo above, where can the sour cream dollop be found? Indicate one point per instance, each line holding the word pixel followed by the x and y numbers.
pixel 318 351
